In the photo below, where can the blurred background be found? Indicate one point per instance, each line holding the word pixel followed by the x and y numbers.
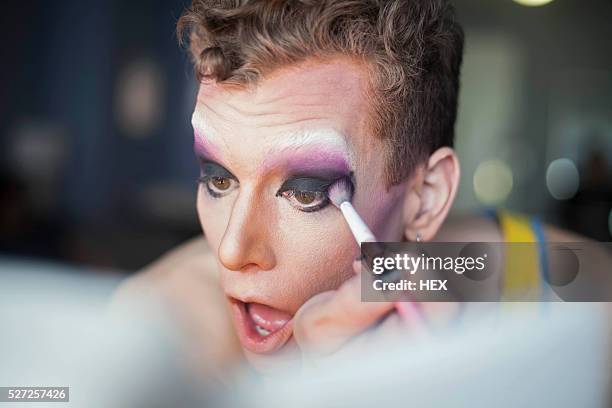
pixel 96 159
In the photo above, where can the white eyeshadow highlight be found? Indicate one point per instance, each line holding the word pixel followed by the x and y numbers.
pixel 326 137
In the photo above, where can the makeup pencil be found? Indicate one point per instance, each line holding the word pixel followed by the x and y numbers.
pixel 341 194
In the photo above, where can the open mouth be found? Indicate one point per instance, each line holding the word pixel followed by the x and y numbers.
pixel 261 328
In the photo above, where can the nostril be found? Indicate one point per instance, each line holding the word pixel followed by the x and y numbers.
pixel 250 268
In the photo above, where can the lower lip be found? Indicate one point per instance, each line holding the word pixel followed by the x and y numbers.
pixel 248 336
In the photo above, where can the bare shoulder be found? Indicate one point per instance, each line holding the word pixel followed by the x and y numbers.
pixel 192 261
pixel 185 282
pixel 555 234
pixel 483 229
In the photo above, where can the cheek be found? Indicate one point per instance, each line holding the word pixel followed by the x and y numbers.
pixel 213 216
pixel 383 214
pixel 380 208
pixel 315 253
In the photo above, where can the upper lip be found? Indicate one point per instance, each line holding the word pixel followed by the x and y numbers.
pixel 248 299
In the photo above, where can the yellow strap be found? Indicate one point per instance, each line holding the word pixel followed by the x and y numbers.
pixel 521 275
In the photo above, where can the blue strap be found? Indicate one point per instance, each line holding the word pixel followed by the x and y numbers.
pixel 538 230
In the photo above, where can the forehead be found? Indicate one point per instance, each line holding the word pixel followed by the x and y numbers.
pixel 312 95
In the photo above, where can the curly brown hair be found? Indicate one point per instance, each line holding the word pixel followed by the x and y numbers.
pixel 412 50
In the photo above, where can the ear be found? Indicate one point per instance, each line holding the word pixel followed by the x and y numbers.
pixel 431 194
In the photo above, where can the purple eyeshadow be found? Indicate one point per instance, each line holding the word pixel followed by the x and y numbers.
pixel 311 161
pixel 204 149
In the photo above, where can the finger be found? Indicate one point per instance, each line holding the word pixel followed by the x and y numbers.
pixel 328 320
pixel 440 315
pixel 410 313
pixel 357 267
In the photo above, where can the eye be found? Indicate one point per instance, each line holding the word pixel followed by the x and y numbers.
pixel 220 186
pixel 306 197
pixel 306 193
pixel 218 181
pixel 307 201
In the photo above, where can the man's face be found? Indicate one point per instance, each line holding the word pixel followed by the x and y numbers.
pixel 267 157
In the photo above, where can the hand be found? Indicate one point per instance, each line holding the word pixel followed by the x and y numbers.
pixel 337 322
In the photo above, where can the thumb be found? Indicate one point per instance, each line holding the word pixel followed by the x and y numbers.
pixel 357 266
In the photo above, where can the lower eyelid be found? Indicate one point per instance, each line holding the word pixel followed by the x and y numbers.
pixel 210 192
pixel 315 208
pixel 203 181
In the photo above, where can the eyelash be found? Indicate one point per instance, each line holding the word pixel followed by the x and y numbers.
pixel 288 193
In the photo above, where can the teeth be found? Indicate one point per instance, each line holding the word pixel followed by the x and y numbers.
pixel 261 331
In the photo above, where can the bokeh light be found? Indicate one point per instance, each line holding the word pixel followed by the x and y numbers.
pixel 562 179
pixel 533 3
pixel 139 99
pixel 493 182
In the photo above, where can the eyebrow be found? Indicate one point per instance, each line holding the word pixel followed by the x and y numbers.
pixel 309 150
pixel 304 150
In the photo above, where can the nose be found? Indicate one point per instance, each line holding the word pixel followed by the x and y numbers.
pixel 245 244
